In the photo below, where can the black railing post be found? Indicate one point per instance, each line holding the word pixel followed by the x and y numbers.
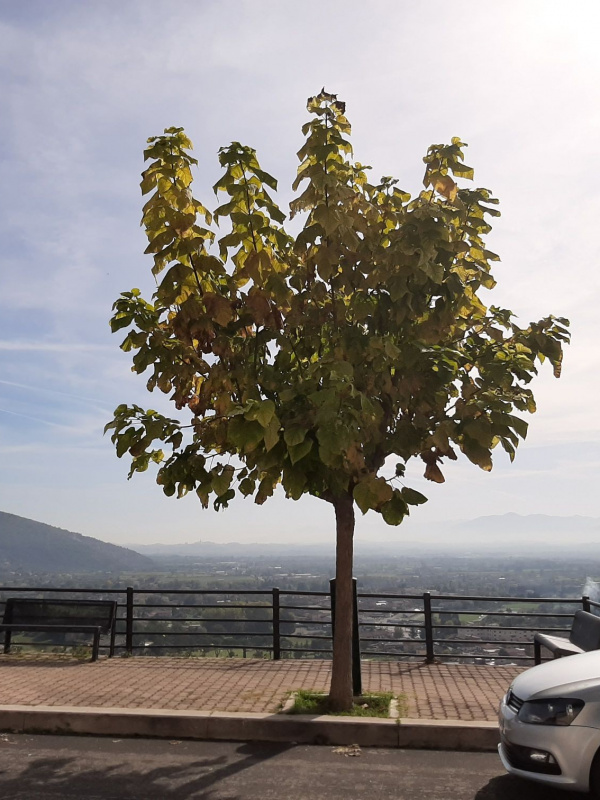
pixel 129 622
pixel 585 603
pixel 276 626
pixel 430 656
pixel 356 671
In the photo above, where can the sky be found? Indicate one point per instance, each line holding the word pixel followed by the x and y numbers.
pixel 83 85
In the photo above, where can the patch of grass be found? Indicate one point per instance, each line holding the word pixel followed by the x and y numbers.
pixel 368 705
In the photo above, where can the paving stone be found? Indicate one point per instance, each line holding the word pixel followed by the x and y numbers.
pixel 433 691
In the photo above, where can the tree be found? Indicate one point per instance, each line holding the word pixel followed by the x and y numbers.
pixel 311 360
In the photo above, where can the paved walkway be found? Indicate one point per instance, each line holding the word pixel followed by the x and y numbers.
pixel 434 691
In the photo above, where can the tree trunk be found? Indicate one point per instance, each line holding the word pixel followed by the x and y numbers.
pixel 340 692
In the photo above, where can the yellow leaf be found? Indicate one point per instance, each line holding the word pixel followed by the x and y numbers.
pixel 445 186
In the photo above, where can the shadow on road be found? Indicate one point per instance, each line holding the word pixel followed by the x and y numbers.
pixel 508 787
pixel 68 778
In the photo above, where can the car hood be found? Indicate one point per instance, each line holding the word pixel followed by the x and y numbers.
pixel 559 677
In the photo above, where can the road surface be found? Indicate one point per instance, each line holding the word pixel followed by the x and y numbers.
pixel 102 768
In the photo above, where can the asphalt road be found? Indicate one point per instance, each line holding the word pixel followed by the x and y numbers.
pixel 94 768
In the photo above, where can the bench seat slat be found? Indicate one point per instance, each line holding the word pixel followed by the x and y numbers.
pixel 39 626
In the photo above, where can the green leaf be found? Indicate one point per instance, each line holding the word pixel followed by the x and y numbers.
pixel 222 501
pixel 264 413
pixel 265 490
pixel 342 369
pixel 222 481
pixel 462 171
pixel 394 511
pixel 294 482
pixel 481 430
pixel 271 436
pixel 477 454
pixel 298 451
pixel 121 320
pixel 372 492
pixel 294 435
pixel 246 486
pixel 518 424
pixel 244 434
pixel 390 349
pixel 412 497
pixel 203 493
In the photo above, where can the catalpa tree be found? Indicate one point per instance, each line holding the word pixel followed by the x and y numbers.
pixel 323 361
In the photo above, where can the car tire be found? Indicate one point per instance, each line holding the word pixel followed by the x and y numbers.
pixel 595 777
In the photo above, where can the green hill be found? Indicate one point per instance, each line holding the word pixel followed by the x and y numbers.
pixel 29 546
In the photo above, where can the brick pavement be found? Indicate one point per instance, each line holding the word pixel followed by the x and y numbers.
pixel 435 691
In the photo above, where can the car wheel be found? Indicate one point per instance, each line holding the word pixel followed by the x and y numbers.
pixel 595 777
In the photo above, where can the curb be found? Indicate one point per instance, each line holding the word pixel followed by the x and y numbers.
pixel 232 726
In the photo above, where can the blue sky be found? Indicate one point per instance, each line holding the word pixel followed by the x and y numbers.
pixel 84 84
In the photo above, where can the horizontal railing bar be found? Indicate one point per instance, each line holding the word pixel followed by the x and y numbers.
pixel 241 634
pixel 303 636
pixel 479 642
pixel 204 619
pixel 392 611
pixel 215 607
pixel 504 599
pixel 303 650
pixel 499 628
pixel 17 643
pixel 386 596
pixel 69 591
pixel 203 646
pixel 263 606
pixel 391 641
pixel 392 625
pixel 305 608
pixel 227 592
pixel 303 594
pixel 395 656
pixel 530 614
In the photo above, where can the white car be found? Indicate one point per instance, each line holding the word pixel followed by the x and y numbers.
pixel 550 724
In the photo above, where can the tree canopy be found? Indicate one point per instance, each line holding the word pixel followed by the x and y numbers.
pixel 313 360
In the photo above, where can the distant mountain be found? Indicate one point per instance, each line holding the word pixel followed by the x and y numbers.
pixel 503 534
pixel 227 550
pixel 545 524
pixel 29 546
pixel 507 534
pixel 530 532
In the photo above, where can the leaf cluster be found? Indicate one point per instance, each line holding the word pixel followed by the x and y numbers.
pixel 311 360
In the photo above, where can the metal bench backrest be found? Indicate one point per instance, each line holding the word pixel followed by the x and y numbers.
pixel 585 632
pixel 29 611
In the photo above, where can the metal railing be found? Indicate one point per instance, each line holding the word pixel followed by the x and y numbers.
pixel 279 623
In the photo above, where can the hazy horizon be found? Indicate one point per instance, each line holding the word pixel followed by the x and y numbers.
pixel 507 532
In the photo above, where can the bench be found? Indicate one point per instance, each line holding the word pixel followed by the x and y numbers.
pixel 96 617
pixel 584 636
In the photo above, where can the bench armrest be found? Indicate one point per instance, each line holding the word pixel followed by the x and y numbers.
pixel 556 644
